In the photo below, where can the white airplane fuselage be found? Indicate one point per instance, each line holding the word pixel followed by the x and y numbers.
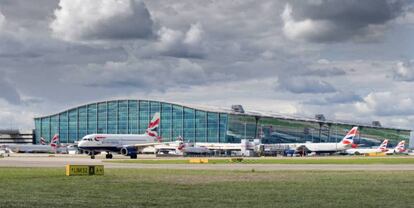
pixel 34 148
pixel 112 142
pixel 362 151
pixel 324 147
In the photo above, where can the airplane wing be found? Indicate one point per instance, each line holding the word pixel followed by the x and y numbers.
pixel 152 144
pixel 146 145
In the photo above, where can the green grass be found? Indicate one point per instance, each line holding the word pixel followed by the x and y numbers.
pixel 306 160
pixel 47 187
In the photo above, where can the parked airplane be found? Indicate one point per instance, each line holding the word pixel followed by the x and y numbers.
pixel 346 143
pixel 400 148
pixel 358 151
pixel 126 144
pixel 188 148
pixel 37 148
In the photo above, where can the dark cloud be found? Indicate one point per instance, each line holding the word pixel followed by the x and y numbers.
pixel 337 20
pixel 32 15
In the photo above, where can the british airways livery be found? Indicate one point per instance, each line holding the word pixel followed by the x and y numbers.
pixel 358 151
pixel 346 143
pixel 126 144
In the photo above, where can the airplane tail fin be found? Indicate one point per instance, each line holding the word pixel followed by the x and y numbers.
pixel 42 141
pixel 383 146
pixel 54 141
pixel 400 147
pixel 152 129
pixel 181 144
pixel 349 137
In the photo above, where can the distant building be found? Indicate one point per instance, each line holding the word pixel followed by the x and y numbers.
pixel 202 124
pixel 15 137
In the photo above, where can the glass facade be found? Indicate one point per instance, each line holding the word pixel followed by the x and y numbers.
pixel 197 125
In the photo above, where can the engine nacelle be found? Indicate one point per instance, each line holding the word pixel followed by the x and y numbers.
pixel 128 151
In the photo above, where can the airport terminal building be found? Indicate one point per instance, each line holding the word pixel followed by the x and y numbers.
pixel 202 124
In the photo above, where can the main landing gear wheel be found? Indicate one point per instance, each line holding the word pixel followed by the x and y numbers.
pixel 92 154
pixel 108 156
pixel 134 156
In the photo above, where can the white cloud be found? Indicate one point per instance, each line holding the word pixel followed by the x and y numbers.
pixel 145 75
pixel 80 20
pixel 305 85
pixel 304 29
pixel 179 44
pixel 404 71
pixel 8 92
pixel 386 104
pixel 2 20
pixel 228 52
pixel 408 17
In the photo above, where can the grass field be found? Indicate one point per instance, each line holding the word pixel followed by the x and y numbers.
pixel 49 187
pixel 285 160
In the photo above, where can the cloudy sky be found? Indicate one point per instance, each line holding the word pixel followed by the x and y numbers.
pixel 350 60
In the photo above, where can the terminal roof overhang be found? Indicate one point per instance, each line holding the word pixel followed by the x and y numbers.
pixel 246 113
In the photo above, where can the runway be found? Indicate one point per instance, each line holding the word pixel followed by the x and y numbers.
pixel 62 160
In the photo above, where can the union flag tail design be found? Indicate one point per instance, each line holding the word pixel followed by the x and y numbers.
pixel 181 144
pixel 349 138
pixel 400 147
pixel 383 146
pixel 42 141
pixel 152 129
pixel 55 140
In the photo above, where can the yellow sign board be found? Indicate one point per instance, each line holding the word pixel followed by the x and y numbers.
pixel 376 154
pixel 80 170
pixel 198 160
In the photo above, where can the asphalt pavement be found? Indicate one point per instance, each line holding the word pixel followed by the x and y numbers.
pixel 44 160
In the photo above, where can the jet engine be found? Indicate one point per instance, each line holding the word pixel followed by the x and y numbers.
pixel 129 151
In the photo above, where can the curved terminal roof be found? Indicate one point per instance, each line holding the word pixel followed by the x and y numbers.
pixel 266 114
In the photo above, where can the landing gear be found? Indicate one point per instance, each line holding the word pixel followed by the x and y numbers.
pixel 134 156
pixel 92 154
pixel 108 156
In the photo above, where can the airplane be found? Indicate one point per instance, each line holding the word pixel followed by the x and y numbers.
pixel 126 144
pixel 358 151
pixel 346 143
pixel 188 148
pixel 37 148
pixel 400 148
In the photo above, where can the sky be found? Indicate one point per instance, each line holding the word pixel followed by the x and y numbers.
pixel 349 60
